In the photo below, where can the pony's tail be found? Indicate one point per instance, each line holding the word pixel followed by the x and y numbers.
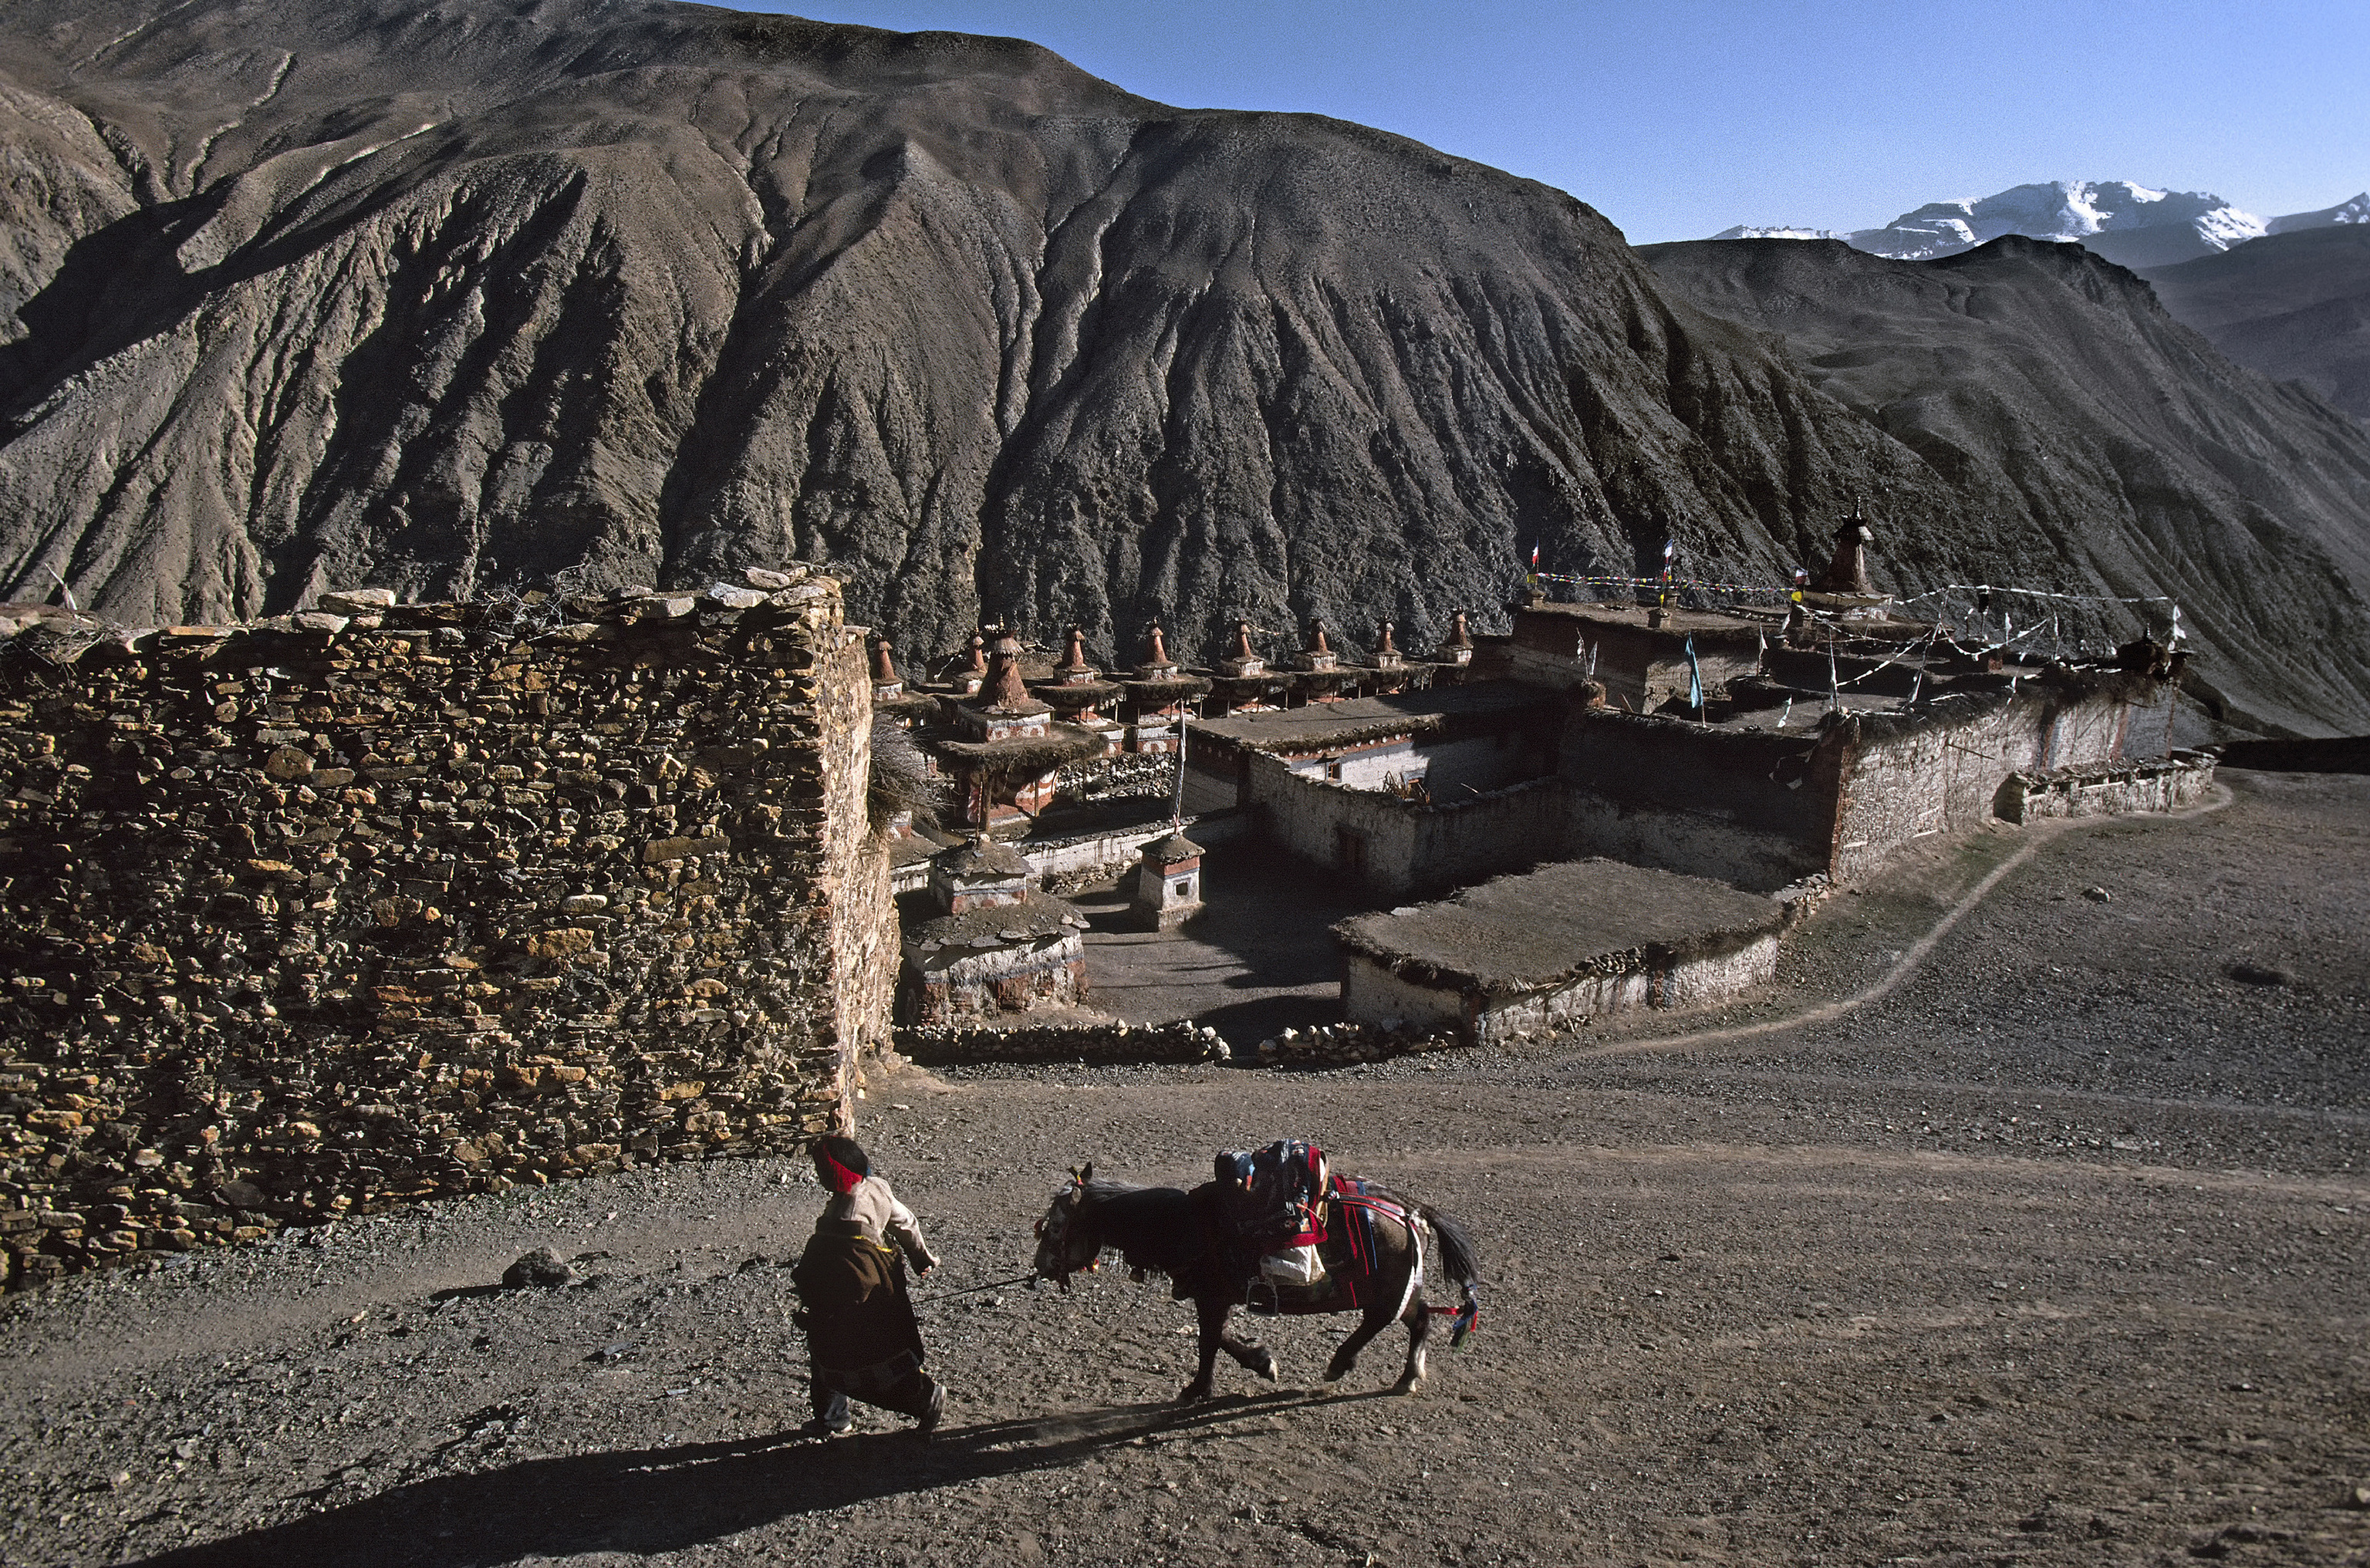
pixel 1458 1262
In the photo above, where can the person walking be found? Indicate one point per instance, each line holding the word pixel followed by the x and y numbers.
pixel 862 1341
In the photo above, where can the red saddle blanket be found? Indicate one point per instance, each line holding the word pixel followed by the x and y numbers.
pixel 1352 1250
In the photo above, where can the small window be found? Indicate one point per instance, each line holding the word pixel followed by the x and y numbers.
pixel 1333 772
pixel 1184 889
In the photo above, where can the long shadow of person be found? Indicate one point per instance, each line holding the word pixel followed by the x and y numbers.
pixel 650 1500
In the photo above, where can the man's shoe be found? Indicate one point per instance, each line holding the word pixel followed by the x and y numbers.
pixel 931 1417
pixel 818 1427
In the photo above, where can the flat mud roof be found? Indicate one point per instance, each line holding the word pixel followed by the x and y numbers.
pixel 1362 719
pixel 1517 933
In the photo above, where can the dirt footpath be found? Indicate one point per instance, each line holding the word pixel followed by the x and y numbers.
pixel 2042 1245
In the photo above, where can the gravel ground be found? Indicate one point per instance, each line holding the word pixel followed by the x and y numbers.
pixel 2045 1248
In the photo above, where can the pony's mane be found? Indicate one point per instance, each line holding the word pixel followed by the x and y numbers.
pixel 1103 1186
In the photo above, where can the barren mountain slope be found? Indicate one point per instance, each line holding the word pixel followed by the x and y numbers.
pixel 2086 433
pixel 459 297
pixel 452 297
pixel 2294 306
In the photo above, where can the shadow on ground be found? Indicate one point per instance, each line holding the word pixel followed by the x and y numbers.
pixel 651 1500
pixel 1259 958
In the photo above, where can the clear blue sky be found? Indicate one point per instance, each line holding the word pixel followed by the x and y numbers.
pixel 1677 118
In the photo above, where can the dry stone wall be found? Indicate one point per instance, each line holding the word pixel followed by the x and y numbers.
pixel 339 911
pixel 1938 769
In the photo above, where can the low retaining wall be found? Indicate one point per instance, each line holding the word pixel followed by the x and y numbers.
pixel 1101 1043
pixel 342 911
pixel 2108 790
pixel 1346 1044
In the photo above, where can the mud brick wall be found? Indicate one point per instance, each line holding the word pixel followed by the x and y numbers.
pixel 339 911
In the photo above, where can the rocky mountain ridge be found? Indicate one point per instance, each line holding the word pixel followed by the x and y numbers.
pixel 2082 424
pixel 646 291
pixel 2294 305
pixel 450 297
pixel 2354 210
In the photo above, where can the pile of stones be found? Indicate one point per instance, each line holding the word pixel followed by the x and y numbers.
pixel 1341 1045
pixel 1104 1043
pixel 1100 1041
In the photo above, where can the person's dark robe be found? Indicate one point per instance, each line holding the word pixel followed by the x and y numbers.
pixel 861 1333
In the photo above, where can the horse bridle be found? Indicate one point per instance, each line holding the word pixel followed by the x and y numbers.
pixel 1077 1192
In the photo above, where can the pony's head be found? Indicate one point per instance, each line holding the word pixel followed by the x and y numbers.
pixel 1065 1245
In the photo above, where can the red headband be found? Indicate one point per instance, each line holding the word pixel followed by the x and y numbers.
pixel 836 1176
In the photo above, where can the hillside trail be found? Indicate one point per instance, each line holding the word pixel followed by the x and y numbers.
pixel 2030 842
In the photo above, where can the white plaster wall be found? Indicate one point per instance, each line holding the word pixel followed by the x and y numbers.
pixel 1585 998
pixel 1366 768
pixel 1305 818
pixel 1372 994
pixel 1695 982
pixel 1103 851
pixel 1453 767
pixel 1409 848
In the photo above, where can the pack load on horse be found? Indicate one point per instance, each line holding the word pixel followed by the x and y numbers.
pixel 1373 1247
pixel 1277 1195
pixel 862 1339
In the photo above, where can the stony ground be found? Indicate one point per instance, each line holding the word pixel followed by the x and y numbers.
pixel 2040 1243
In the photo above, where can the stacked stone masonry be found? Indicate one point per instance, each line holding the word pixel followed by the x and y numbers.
pixel 342 911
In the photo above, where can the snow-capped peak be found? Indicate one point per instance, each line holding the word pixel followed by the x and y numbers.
pixel 2138 225
pixel 1746 231
pixel 2357 211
